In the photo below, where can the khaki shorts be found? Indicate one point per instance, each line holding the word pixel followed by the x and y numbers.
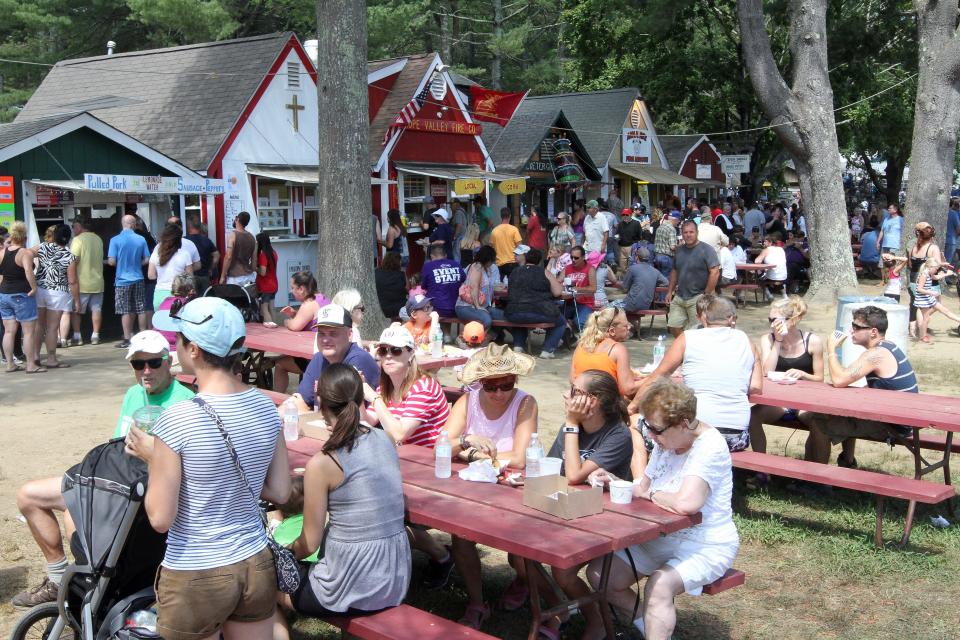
pixel 839 428
pixel 683 312
pixel 195 604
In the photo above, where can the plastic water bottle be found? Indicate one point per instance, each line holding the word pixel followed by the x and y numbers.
pixel 444 452
pixel 534 455
pixel 291 420
pixel 436 335
pixel 658 350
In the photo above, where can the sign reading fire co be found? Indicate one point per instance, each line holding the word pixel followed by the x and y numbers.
pixel 443 126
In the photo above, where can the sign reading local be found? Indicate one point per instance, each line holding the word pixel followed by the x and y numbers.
pixel 152 184
pixel 468 186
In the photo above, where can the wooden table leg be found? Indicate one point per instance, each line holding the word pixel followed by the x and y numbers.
pixel 533 584
pixel 602 592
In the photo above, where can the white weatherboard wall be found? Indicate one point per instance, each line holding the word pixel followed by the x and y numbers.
pixel 268 137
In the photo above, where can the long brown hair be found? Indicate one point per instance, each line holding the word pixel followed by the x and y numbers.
pixel 170 243
pixel 602 386
pixel 341 395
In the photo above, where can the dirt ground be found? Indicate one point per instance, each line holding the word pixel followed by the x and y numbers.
pixel 49 421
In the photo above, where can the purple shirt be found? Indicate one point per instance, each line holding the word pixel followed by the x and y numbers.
pixel 442 280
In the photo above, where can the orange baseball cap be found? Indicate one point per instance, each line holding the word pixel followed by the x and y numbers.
pixel 473 333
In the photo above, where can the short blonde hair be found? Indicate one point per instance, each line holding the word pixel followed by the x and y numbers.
pixel 932 263
pixel 792 308
pixel 673 400
pixel 18 233
pixel 349 299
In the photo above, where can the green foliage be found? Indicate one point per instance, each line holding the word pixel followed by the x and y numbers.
pixel 183 20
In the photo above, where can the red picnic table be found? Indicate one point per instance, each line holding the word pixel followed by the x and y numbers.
pixel 753 266
pixel 914 410
pixel 494 515
pixel 299 344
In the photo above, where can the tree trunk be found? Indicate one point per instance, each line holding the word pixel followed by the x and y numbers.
pixel 495 49
pixel 807 128
pixel 936 116
pixel 346 244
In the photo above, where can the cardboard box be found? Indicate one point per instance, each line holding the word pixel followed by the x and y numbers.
pixel 553 495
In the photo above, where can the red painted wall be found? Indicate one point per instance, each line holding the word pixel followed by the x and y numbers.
pixel 378 91
pixel 703 154
pixel 422 146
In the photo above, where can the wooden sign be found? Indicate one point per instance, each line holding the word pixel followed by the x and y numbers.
pixel 510 187
pixel 468 186
pixel 444 126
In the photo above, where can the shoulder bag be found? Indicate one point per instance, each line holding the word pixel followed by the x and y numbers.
pixel 288 573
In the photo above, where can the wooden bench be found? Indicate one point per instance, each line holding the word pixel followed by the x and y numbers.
pixel 405 623
pixel 744 286
pixel 928 441
pixel 638 316
pixel 732 578
pixel 505 324
pixel 881 485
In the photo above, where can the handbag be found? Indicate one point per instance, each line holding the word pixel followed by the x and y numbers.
pixel 467 296
pixel 288 572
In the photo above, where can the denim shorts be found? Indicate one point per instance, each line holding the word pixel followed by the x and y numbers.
pixel 18 306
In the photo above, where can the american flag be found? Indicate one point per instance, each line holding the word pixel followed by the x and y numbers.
pixel 407 114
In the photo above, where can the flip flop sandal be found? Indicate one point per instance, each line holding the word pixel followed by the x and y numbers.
pixel 59 365
pixel 37 370
pixel 475 616
pixel 14 370
pixel 515 596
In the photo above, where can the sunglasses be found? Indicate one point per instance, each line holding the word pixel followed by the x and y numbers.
pixel 573 257
pixel 490 387
pixel 775 319
pixel 179 304
pixel 153 363
pixel 396 352
pixel 858 327
pixel 360 308
pixel 658 431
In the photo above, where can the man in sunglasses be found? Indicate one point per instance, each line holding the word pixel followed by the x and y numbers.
pixel 333 345
pixel 39 500
pixel 884 365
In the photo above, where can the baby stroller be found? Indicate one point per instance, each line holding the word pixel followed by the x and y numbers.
pixel 107 594
pixel 254 368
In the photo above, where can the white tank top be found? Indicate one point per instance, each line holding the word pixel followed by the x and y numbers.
pixel 499 430
pixel 717 365
pixel 778 258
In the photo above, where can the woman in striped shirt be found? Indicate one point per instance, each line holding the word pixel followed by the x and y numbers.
pixel 412 409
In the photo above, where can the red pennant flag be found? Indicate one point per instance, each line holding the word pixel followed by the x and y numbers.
pixel 494 106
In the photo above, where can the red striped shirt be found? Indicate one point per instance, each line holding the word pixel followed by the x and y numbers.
pixel 424 402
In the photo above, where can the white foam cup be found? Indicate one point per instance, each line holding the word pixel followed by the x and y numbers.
pixel 550 466
pixel 621 492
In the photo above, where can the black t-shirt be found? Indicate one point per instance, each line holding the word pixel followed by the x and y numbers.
pixel 609 448
pixel 206 249
pixel 778 227
pixel 391 291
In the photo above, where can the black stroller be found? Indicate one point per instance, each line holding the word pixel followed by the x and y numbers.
pixel 107 594
pixel 254 368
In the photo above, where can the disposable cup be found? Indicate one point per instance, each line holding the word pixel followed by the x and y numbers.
pixel 550 466
pixel 145 417
pixel 621 492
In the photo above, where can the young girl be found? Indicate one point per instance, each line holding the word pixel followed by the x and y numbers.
pixel 894 265
pixel 927 300
pixel 267 283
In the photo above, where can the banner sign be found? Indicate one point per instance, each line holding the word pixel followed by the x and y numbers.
pixel 494 106
pixel 735 163
pixel 6 201
pixel 444 126
pixel 704 172
pixel 468 186
pixel 152 184
pixel 636 146
pixel 510 187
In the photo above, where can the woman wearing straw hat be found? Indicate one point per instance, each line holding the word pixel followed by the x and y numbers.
pixel 495 421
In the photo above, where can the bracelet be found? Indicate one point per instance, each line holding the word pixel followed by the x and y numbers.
pixel 463 441
pixel 471 454
pixel 651 493
pixel 375 398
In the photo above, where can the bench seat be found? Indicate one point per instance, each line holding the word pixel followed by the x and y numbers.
pixel 505 324
pixel 406 623
pixel 928 441
pixel 740 286
pixel 880 485
pixel 732 578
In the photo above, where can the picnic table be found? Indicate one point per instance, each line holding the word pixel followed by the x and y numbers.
pixel 299 344
pixel 753 267
pixel 494 515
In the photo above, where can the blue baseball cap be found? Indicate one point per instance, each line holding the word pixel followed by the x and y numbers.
pixel 213 324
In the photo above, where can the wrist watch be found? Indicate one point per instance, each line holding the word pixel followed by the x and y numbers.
pixel 568 429
pixel 650 494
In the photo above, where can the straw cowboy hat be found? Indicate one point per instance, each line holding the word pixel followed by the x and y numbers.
pixel 495 361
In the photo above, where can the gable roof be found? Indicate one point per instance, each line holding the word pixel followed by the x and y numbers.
pixel 14 132
pixel 677 147
pixel 597 116
pixel 525 132
pixel 402 92
pixel 182 101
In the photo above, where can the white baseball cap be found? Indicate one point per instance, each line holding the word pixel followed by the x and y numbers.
pixel 396 335
pixel 333 315
pixel 443 213
pixel 148 341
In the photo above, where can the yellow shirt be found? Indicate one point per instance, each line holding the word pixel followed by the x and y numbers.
pixel 88 247
pixel 504 240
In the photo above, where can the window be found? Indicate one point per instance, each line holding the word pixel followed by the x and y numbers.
pixel 273 205
pixel 191 208
pixel 311 211
pixel 293 75
pixel 414 186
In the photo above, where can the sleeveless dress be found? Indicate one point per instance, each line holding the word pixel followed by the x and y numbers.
pixel 924 300
pixel 365 556
pixel 500 430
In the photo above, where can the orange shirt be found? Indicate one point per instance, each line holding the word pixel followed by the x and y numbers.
pixel 504 240
pixel 599 358
pixel 420 336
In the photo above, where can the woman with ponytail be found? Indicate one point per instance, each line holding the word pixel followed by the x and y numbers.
pixel 355 480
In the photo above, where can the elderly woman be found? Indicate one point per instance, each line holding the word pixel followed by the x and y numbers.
pixel 355 479
pixel 689 472
pixel 720 364
pixel 352 301
pixel 594 436
pixel 795 353
pixel 412 408
pixel 57 291
pixel 601 347
pixel 495 420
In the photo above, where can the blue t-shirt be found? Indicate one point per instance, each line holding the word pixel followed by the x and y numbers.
pixel 891 229
pixel 444 232
pixel 868 249
pixel 129 250
pixel 205 248
pixel 356 357
pixel 953 223
pixel 442 280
